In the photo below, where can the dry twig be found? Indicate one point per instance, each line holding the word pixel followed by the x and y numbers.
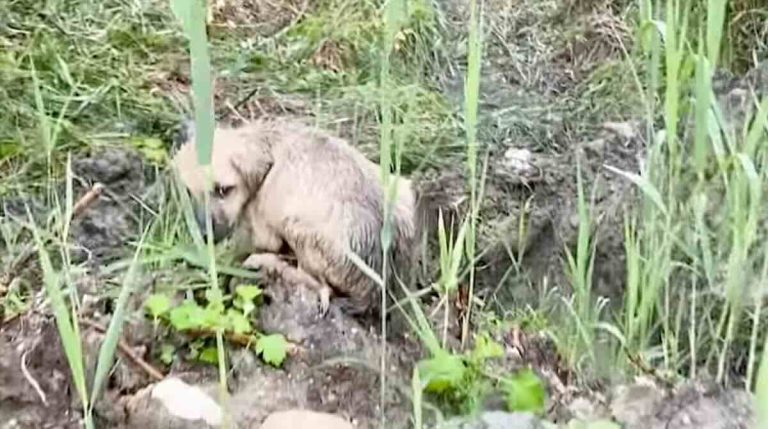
pixel 127 351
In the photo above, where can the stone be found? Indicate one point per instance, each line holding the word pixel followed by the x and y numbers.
pixel 635 403
pixel 493 420
pixel 173 404
pixel 304 419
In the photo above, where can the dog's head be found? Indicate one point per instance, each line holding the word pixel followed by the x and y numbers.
pixel 240 159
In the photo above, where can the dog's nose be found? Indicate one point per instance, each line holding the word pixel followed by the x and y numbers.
pixel 219 230
pixel 200 218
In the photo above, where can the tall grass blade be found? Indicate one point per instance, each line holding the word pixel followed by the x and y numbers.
pixel 394 16
pixel 65 321
pixel 422 326
pixel 192 14
pixel 758 129
pixel 761 389
pixel 715 21
pixel 703 90
pixel 645 185
pixel 471 103
pixel 42 118
pixel 111 336
pixel 417 390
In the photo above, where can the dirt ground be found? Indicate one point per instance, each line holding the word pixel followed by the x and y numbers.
pixel 532 135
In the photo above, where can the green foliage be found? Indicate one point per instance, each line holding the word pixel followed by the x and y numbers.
pixel 151 148
pixel 230 314
pixel 461 381
pixel 245 297
pixel 157 305
pixel 65 320
pixel 273 349
pixel 486 348
pixel 167 352
pixel 525 392
pixel 61 291
pixel 695 255
pixel 443 372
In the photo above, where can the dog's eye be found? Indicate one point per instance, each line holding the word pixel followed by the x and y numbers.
pixel 222 191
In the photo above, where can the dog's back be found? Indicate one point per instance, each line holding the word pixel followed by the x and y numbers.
pixel 328 197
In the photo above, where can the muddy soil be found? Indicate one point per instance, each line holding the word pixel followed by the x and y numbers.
pixel 533 142
pixel 335 367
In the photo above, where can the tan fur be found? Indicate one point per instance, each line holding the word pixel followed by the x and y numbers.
pixel 298 186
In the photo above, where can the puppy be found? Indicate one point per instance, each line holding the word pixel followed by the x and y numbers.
pixel 281 185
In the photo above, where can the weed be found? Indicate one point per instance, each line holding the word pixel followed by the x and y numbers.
pixel 689 282
pixel 230 315
pixel 62 294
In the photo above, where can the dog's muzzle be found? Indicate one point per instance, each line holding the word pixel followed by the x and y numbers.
pixel 220 230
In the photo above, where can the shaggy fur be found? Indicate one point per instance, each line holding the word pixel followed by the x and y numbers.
pixel 283 185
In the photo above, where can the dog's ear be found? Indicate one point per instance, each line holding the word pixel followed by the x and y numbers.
pixel 253 165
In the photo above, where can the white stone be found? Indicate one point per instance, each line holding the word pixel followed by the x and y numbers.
pixel 187 402
pixel 304 419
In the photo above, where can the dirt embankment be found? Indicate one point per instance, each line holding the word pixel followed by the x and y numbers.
pixel 533 132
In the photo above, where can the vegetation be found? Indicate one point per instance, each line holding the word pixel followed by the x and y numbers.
pixel 82 74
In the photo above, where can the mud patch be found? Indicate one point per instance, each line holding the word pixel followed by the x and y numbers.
pixel 115 217
pixel 35 382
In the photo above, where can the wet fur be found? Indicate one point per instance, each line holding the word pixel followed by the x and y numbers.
pixel 304 189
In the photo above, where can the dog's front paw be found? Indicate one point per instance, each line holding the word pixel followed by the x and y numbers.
pixel 325 300
pixel 257 261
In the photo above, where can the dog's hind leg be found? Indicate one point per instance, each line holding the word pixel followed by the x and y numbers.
pixel 274 265
pixel 322 256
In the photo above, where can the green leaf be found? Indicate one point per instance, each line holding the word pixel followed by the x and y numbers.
pixel 157 305
pixel 273 349
pixel 525 392
pixel 214 319
pixel 215 300
pixel 248 292
pixel 443 372
pixel 191 14
pixel 64 316
pixel 245 298
pixel 487 348
pixel 151 148
pixel 209 355
pixel 238 322
pixel 188 316
pixel 166 353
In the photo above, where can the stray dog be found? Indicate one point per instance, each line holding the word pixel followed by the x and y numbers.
pixel 281 186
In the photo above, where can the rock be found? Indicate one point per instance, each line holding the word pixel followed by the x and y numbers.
pixel 304 419
pixel 585 409
pixel 694 405
pixel 519 161
pixel 635 403
pixel 173 404
pixel 493 420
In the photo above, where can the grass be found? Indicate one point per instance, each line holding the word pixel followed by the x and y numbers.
pixel 61 290
pixel 696 264
pixel 689 282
